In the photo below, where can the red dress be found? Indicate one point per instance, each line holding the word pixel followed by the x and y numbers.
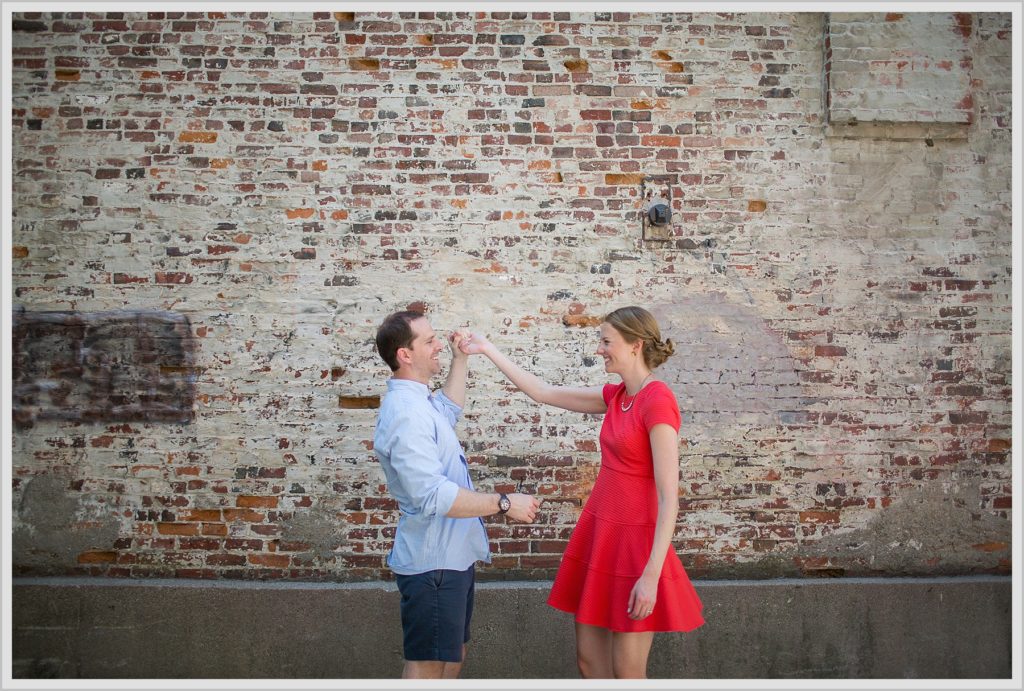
pixel 611 543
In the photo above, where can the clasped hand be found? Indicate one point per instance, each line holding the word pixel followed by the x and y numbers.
pixel 472 343
pixel 456 339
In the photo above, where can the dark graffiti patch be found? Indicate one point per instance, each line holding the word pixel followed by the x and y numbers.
pixel 102 366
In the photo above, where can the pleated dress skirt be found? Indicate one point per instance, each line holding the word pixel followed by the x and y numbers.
pixel 607 553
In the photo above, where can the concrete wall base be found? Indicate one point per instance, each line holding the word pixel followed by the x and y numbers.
pixel 836 628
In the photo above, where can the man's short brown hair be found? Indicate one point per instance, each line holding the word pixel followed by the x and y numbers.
pixel 395 332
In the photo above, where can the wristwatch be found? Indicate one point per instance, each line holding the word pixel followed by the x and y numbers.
pixel 503 503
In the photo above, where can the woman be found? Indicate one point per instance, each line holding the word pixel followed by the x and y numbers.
pixel 619 574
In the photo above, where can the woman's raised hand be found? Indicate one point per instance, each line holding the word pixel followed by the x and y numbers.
pixel 474 344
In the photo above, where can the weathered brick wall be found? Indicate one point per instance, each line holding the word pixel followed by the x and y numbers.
pixel 838 289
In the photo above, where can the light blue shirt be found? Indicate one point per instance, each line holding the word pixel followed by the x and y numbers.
pixel 422 458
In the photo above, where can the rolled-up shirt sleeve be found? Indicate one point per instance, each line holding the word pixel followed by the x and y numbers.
pixel 416 460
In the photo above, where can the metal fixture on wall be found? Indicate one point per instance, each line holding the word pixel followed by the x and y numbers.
pixel 656 216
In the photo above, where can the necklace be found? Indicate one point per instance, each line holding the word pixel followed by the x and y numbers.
pixel 622 404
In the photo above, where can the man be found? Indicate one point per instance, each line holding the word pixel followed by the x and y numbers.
pixel 440 532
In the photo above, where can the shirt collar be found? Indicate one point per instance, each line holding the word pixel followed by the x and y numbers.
pixel 408 385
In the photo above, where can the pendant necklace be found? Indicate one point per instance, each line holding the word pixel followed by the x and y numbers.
pixel 622 404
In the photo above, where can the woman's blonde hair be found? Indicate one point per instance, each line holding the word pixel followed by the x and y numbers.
pixel 637 324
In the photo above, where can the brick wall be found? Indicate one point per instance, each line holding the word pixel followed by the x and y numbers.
pixel 838 288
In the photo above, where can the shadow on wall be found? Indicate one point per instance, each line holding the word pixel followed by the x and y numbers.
pixel 729 363
pixel 731 368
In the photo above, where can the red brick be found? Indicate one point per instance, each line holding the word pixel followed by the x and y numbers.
pixel 277 561
pixel 253 502
pixel 198 137
pixel 363 64
pixel 173 278
pixel 178 528
pixel 246 515
pixel 358 402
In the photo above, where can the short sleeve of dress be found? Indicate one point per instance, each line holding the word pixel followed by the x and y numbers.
pixel 609 391
pixel 661 407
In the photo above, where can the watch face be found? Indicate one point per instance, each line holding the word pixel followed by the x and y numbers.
pixel 504 504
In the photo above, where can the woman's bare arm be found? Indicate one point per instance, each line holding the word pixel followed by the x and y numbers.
pixel 580 399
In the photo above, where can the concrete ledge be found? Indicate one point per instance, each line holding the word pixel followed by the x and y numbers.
pixel 836 628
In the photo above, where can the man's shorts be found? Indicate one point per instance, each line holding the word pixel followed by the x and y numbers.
pixel 436 609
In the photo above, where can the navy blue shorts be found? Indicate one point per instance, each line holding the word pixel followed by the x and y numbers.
pixel 436 609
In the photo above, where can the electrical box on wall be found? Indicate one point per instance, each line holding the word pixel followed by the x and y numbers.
pixel 656 212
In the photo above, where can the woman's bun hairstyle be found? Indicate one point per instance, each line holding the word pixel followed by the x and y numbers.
pixel 656 352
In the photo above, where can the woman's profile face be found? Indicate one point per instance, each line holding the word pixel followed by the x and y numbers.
pixel 617 353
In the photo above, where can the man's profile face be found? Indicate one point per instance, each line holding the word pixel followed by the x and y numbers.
pixel 425 350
